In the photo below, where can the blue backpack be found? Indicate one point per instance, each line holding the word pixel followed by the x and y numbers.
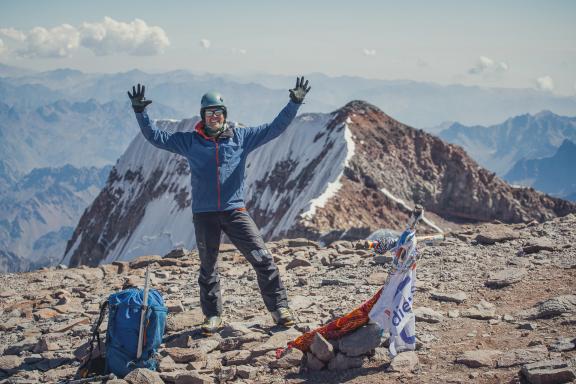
pixel 124 326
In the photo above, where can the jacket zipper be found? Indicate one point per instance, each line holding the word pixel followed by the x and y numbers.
pixel 217 174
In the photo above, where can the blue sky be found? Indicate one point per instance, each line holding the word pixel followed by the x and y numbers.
pixel 521 44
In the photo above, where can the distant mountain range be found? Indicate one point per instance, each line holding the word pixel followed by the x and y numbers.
pixel 40 211
pixel 499 147
pixel 329 176
pixel 555 175
pixel 82 134
pixel 254 99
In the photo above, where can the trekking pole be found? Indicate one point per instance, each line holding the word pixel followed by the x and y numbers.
pixel 143 313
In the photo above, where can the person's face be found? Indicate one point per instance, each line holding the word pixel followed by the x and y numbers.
pixel 214 118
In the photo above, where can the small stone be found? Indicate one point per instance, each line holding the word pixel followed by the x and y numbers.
pixel 342 362
pixel 505 277
pixel 313 363
pixel 528 326
pixel 548 371
pixel 238 357
pixel 184 321
pixel 521 356
pixel 246 372
pixel 191 377
pixel 174 306
pixel 45 313
pixel 456 297
pixel 479 314
pixel 563 344
pixel 143 376
pixel 453 313
pixel 123 266
pixel 185 355
pixel 377 278
pixel 10 363
pixel 45 344
pixel 298 262
pixel 361 341
pixel 383 259
pixel 321 348
pixel 167 364
pixel 537 245
pixel 427 315
pixel 292 358
pixel 479 358
pixel 553 307
pixel 143 261
pixel 227 374
pixel 404 362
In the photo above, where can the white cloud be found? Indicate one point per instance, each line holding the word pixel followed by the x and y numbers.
pixel 135 38
pixel 59 41
pixel 241 51
pixel 2 47
pixel 107 37
pixel 369 52
pixel 486 65
pixel 14 34
pixel 545 83
pixel 205 43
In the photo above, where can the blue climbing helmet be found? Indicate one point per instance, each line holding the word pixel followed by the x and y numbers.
pixel 211 100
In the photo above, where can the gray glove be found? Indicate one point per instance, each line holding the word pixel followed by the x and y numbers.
pixel 298 93
pixel 139 102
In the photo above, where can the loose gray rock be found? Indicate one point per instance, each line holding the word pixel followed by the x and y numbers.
pixel 455 297
pixel 361 341
pixel 298 262
pixel 185 355
pixel 143 376
pixel 479 314
pixel 505 277
pixel 404 362
pixel 292 358
pixel 479 358
pixel 563 344
pixel 553 307
pixel 313 363
pixel 548 372
pixel 246 372
pixel 537 245
pixel 342 362
pixel 191 377
pixel 427 315
pixel 143 261
pixel 239 357
pixel 521 356
pixel 492 234
pixel 321 348
pixel 10 363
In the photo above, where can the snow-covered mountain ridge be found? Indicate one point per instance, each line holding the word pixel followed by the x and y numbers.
pixel 329 176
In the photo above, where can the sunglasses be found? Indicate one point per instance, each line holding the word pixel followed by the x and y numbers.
pixel 217 113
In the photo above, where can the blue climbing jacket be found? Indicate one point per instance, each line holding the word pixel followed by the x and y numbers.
pixel 217 165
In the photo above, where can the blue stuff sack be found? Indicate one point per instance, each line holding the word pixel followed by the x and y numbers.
pixel 124 327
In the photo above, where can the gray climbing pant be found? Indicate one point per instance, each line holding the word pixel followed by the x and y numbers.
pixel 244 234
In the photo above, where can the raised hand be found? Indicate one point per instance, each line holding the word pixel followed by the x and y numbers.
pixel 139 102
pixel 298 93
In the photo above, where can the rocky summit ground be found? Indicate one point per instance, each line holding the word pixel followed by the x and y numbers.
pixel 492 301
